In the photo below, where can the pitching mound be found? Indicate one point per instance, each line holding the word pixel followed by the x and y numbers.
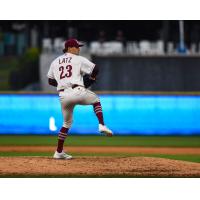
pixel 97 167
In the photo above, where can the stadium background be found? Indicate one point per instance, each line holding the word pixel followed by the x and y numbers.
pixel 148 80
pixel 148 83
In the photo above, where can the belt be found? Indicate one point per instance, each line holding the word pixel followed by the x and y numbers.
pixel 73 86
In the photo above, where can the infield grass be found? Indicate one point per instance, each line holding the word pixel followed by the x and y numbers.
pixel 142 141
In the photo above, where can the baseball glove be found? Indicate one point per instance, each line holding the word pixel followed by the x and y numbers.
pixel 88 81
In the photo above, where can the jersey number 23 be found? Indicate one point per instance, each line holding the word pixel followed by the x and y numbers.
pixel 65 71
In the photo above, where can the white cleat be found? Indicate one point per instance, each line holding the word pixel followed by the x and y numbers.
pixel 105 130
pixel 62 155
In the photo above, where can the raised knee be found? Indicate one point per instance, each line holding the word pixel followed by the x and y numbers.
pixel 97 100
pixel 67 124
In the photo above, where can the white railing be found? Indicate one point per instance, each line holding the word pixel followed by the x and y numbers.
pixel 143 47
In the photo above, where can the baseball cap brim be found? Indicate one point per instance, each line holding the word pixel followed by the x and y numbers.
pixel 81 44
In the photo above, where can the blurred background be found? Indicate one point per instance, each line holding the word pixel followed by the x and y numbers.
pixel 149 75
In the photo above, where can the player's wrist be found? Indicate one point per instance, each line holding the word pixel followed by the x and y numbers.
pixel 93 78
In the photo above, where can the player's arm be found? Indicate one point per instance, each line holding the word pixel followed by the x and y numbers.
pixel 52 82
pixel 94 73
pixel 90 79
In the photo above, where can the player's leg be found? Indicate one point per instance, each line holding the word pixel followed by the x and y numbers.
pixel 67 115
pixel 99 113
pixel 90 98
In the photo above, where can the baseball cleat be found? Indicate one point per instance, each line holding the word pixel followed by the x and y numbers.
pixel 62 155
pixel 105 130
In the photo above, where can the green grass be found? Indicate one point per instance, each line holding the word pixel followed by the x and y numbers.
pixel 190 158
pixel 143 141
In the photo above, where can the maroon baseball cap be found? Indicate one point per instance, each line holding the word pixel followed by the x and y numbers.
pixel 73 43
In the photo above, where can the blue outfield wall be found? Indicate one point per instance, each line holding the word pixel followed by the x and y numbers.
pixel 124 114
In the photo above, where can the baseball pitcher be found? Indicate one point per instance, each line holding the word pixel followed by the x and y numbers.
pixel 72 75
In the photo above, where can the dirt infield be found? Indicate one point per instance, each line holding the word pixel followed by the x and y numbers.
pixel 97 167
pixel 94 166
pixel 107 149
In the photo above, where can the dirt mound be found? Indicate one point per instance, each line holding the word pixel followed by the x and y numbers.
pixel 97 167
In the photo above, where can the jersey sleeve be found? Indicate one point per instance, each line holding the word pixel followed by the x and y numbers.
pixel 50 72
pixel 86 66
